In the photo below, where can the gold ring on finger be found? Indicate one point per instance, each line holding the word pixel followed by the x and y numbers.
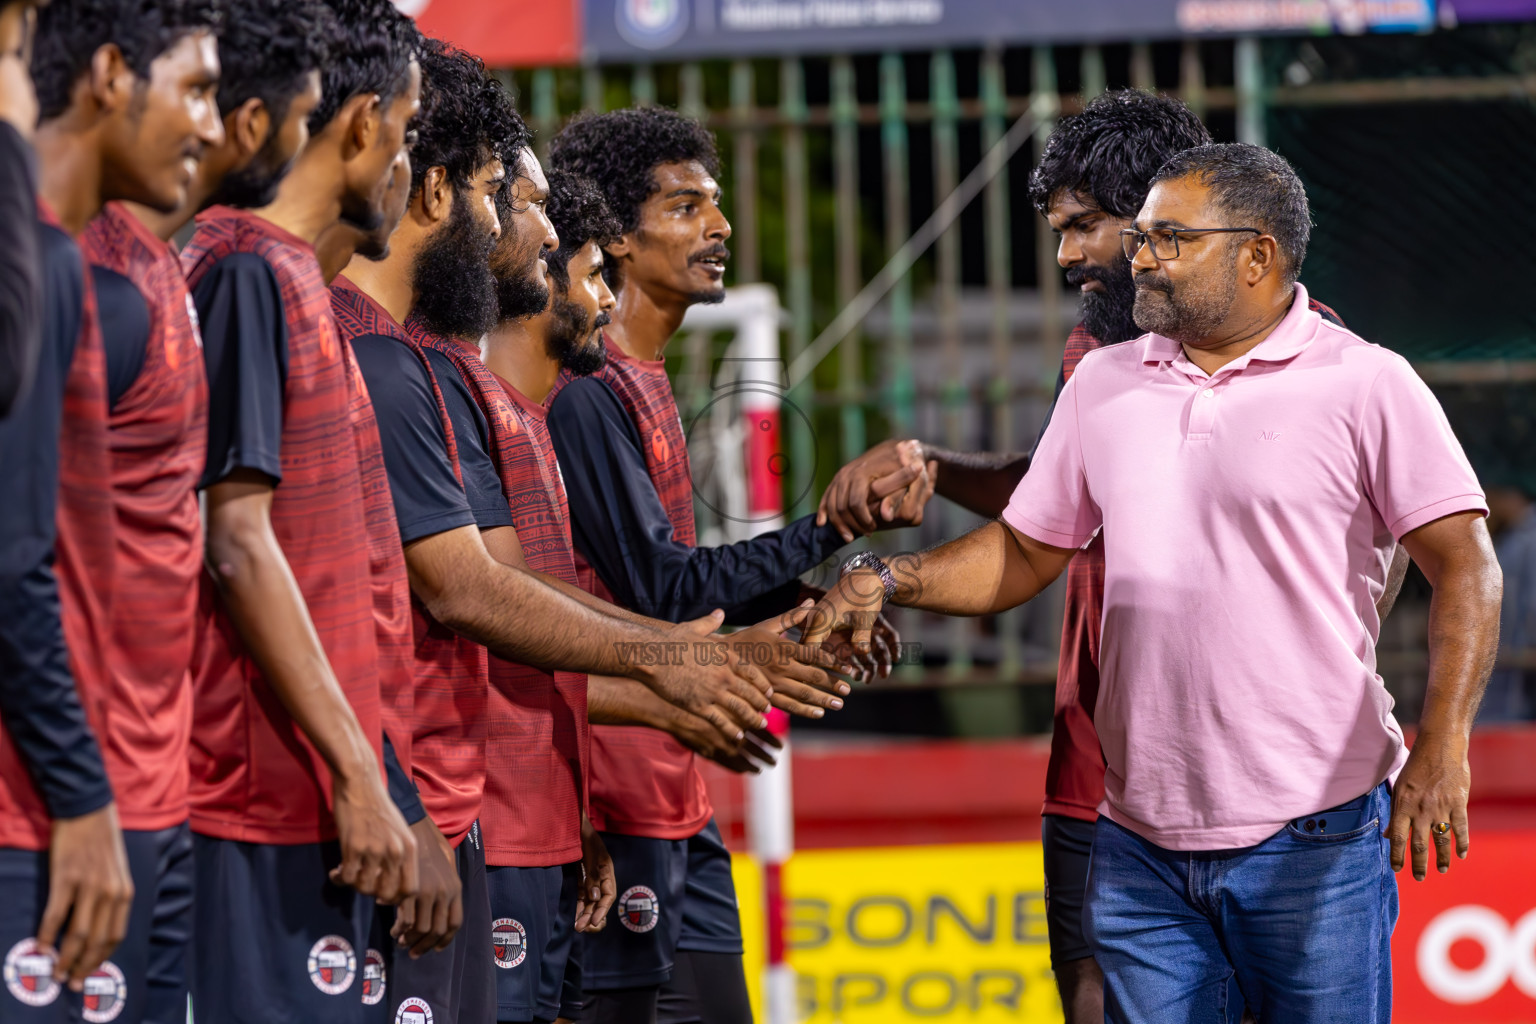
pixel 1442 828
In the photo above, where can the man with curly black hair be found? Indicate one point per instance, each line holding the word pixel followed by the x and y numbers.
pixel 303 679
pixel 529 352
pixel 624 460
pixel 125 98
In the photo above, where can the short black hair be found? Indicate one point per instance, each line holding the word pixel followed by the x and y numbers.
pixel 466 120
pixel 69 32
pixel 1106 155
pixel 1255 187
pixel 579 214
pixel 619 151
pixel 267 49
pixel 371 52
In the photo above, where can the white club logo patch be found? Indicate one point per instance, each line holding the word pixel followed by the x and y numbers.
pixel 29 974
pixel 332 965
pixel 414 1011
pixel 373 978
pixel 509 941
pixel 639 909
pixel 106 993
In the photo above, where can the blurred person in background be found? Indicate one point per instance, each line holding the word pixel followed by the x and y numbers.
pixel 1511 695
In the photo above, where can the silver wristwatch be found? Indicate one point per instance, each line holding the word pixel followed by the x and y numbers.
pixel 869 560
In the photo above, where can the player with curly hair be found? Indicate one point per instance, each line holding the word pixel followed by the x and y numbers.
pixel 125 93
pixel 624 460
pixel 296 834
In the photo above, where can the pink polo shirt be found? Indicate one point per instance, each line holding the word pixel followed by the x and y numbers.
pixel 1249 519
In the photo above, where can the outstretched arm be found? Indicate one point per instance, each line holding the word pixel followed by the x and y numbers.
pixel 993 568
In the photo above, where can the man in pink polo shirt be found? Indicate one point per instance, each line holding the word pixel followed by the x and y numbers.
pixel 1253 468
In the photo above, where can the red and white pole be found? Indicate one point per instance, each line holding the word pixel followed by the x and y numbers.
pixel 770 801
pixel 771 827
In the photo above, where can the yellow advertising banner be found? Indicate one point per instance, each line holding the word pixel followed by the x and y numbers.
pixel 917 933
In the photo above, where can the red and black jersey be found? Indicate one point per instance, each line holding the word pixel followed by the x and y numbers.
pixel 448 736
pixel 158 439
pixel 643 782
pixel 82 542
pixel 255 776
pixel 1074 776
pixel 538 739
pixel 356 314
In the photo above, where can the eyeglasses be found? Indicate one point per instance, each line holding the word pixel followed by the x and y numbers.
pixel 1164 241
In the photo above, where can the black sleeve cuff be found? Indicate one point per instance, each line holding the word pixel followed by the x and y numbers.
pixel 402 791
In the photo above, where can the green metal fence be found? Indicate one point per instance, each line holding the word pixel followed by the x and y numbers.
pixel 831 163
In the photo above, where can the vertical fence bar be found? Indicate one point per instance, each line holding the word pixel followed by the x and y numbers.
pixel 592 97
pixel 1046 104
pixel 1250 91
pixel 690 82
pixel 744 220
pixel 900 381
pixel 1141 66
pixel 643 86
pixel 802 441
pixel 1094 79
pixel 546 114
pixel 994 102
pixel 1192 77
pixel 845 173
pixel 893 148
pixel 945 101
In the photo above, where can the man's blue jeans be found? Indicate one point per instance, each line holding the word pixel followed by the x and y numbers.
pixel 1303 921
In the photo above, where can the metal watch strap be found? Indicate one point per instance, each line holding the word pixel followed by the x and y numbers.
pixel 870 560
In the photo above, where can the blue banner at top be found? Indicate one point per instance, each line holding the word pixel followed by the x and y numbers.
pixel 676 29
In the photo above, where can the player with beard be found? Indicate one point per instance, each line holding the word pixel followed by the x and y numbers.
pixel 536 892
pixel 625 464
pixel 124 99
pixel 415 316
pixel 270 57
pixel 1092 178
pixel 295 833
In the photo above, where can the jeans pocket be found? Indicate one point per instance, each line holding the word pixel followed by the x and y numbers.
pixel 1297 829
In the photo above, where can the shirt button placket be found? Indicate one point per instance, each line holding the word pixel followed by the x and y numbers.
pixel 1203 415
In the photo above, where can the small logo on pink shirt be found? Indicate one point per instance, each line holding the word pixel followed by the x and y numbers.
pixel 1269 435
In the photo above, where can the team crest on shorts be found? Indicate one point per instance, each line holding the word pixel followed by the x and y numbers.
pixel 29 974
pixel 373 978
pixel 639 909
pixel 332 965
pixel 106 993
pixel 414 1011
pixel 509 941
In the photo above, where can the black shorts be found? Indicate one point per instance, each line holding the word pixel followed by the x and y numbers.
pixel 533 925
pixel 457 983
pixel 277 941
pixel 674 894
pixel 1067 842
pixel 146 978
